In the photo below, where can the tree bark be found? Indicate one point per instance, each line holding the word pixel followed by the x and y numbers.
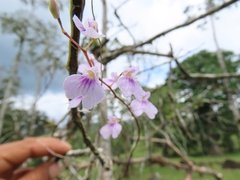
pixel 76 8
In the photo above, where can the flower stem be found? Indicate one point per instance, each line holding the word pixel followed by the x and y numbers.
pixel 74 42
pixel 136 121
pixel 89 44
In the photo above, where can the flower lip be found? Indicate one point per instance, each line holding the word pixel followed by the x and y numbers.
pixel 91 74
pixel 128 74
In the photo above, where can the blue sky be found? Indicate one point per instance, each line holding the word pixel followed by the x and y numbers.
pixel 145 19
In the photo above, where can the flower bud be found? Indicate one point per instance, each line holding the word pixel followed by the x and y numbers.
pixel 54 9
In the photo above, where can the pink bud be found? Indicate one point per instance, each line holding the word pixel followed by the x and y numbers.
pixel 54 9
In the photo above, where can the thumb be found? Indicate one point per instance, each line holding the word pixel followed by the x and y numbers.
pixel 46 171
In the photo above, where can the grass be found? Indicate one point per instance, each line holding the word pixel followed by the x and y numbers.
pixel 170 173
pixel 145 171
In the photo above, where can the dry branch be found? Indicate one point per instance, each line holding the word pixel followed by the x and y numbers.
pixel 156 159
pixel 117 52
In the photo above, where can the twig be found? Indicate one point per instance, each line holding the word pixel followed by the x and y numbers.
pixel 59 122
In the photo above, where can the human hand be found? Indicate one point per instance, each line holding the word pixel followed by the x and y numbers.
pixel 12 155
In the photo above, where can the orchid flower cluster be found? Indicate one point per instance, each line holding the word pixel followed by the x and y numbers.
pixel 87 87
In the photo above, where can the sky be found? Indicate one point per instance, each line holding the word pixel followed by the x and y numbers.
pixel 145 18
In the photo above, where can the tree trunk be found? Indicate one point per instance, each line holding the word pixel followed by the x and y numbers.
pixel 226 84
pixel 105 174
pixel 33 108
pixel 9 87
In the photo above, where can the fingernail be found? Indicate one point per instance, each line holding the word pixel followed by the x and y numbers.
pixel 53 170
pixel 67 145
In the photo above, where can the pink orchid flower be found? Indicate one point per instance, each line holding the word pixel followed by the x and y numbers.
pixel 141 105
pixel 85 88
pixel 112 128
pixel 90 27
pixel 128 84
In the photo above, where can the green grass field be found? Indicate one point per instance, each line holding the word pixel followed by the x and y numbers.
pixel 170 173
pixel 145 171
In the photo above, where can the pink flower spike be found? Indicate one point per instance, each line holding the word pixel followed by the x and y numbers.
pixel 111 82
pixel 112 128
pixel 141 105
pixel 90 27
pixel 127 83
pixel 87 86
pixel 75 102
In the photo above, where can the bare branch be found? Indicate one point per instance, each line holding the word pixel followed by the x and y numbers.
pixel 115 53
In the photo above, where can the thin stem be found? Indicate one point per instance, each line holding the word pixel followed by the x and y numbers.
pixel 74 42
pixel 89 44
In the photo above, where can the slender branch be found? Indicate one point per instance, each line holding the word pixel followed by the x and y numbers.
pixel 214 76
pixel 202 76
pixel 190 21
pixel 165 161
pixel 134 51
pixel 59 122
pixel 162 160
pixel 125 27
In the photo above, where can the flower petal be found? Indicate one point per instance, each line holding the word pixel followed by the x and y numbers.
pixel 106 131
pixel 116 129
pixel 126 86
pixel 92 33
pixel 75 102
pixel 78 23
pixel 137 89
pixel 114 75
pixel 112 81
pixel 94 95
pixel 147 94
pixel 71 86
pixel 91 23
pixel 136 106
pixel 151 110
pixel 108 82
pixel 83 68
pixel 132 70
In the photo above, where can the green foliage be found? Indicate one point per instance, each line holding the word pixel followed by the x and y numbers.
pixel 17 124
pixel 208 99
pixel 203 104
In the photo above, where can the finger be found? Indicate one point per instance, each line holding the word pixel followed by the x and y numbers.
pixel 47 171
pixel 14 154
pixel 19 173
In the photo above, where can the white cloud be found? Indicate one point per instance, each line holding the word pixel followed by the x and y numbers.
pixel 54 105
